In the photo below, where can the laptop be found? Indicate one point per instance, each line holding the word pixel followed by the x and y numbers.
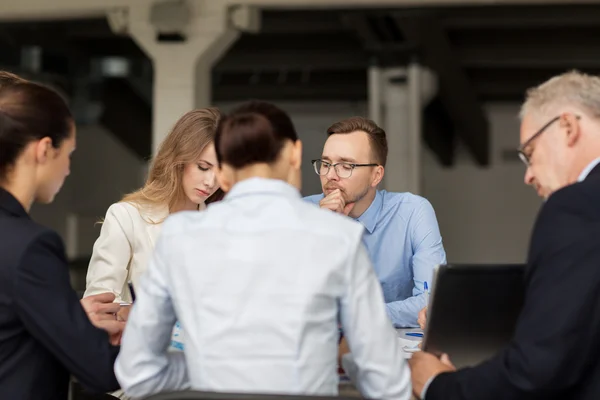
pixel 473 310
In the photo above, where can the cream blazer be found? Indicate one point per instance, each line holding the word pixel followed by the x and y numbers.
pixel 124 248
pixel 122 251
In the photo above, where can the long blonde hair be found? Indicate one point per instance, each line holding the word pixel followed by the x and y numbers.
pixel 188 138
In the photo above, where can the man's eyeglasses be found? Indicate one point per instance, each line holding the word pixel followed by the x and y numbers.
pixel 342 169
pixel 526 157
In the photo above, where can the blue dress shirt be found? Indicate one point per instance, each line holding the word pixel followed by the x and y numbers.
pixel 404 242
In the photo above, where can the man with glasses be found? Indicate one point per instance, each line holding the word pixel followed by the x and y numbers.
pixel 555 350
pixel 545 181
pixel 401 230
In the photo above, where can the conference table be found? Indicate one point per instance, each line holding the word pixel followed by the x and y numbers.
pixel 347 389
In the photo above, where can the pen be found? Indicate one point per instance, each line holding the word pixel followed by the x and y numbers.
pixel 131 291
pixel 415 334
pixel 426 292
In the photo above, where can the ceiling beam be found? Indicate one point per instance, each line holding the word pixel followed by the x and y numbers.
pixel 558 55
pixel 359 23
pixel 65 9
pixel 293 60
pixel 271 52
pixel 290 91
pixel 299 41
pixel 346 4
pixel 531 17
pixel 117 46
pixel 455 90
pixel 502 84
pixel 301 21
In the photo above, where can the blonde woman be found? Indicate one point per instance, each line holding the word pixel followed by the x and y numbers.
pixel 181 178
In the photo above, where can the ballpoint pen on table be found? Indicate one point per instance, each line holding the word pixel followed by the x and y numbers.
pixel 415 334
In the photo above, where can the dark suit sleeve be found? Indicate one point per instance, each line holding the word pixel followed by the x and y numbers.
pixel 557 331
pixel 52 313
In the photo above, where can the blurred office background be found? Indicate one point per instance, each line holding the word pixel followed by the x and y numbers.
pixel 444 78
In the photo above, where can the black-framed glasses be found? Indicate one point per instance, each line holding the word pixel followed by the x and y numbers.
pixel 526 158
pixel 342 169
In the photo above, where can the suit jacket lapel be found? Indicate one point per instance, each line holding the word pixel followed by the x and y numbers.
pixel 153 229
pixel 595 171
pixel 154 222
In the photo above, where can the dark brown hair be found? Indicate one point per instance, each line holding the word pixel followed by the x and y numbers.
pixel 255 132
pixel 376 135
pixel 29 112
pixel 8 78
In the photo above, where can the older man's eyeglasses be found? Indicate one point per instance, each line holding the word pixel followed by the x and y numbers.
pixel 525 155
pixel 342 169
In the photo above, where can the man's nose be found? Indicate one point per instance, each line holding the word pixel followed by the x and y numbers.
pixel 332 174
pixel 529 177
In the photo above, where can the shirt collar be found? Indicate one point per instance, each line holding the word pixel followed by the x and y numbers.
pixel 254 186
pixel 11 204
pixel 369 218
pixel 586 171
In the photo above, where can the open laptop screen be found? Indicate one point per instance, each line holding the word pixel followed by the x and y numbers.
pixel 473 310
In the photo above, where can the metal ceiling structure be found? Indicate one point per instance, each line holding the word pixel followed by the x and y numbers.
pixel 500 50
pixel 489 53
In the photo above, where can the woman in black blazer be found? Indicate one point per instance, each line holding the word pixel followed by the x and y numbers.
pixel 46 333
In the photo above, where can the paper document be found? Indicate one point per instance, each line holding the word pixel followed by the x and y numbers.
pixel 409 346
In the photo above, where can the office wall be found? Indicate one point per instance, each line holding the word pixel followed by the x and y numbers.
pixel 485 214
pixel 102 170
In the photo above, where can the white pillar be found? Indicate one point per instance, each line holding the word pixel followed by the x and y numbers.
pixel 415 116
pixel 374 93
pixel 182 70
pixel 404 92
pixel 400 163
pixel 72 236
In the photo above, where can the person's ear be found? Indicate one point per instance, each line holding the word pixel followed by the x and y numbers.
pixel 224 176
pixel 43 150
pixel 572 126
pixel 378 174
pixel 296 158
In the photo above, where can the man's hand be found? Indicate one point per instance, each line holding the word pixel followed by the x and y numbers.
pixel 422 319
pixel 334 201
pixel 424 366
pixel 114 329
pixel 123 314
pixel 102 313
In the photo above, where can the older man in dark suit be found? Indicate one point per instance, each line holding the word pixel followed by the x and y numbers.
pixel 555 351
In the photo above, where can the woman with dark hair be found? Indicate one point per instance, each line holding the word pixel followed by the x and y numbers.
pixel 259 280
pixel 8 78
pixel 45 333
